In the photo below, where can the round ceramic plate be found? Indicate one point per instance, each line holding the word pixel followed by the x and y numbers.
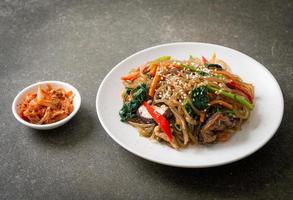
pixel 256 132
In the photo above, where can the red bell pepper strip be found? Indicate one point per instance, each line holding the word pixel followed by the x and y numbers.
pixel 204 60
pixel 145 69
pixel 160 120
pixel 235 85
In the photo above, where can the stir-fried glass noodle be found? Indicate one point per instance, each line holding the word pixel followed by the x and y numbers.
pixel 186 102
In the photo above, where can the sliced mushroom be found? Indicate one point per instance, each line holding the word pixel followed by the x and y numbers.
pixel 216 123
pixel 214 66
pixel 145 116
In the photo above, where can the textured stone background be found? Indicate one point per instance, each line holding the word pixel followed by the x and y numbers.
pixel 79 42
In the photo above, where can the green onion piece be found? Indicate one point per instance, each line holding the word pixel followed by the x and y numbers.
pixel 159 59
pixel 163 58
pixel 193 69
pixel 236 97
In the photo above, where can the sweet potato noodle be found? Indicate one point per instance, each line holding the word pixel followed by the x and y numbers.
pixel 186 102
pixel 47 105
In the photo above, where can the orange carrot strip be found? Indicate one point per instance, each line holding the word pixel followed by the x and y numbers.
pixel 154 85
pixel 131 76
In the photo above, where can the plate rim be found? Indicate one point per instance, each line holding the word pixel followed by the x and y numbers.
pixel 191 165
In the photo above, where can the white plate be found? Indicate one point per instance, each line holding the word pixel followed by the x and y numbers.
pixel 257 131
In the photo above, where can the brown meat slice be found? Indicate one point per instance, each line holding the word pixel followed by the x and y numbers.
pixel 216 123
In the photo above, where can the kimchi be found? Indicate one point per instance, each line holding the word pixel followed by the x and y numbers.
pixel 47 106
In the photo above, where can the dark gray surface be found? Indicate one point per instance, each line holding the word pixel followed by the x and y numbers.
pixel 79 42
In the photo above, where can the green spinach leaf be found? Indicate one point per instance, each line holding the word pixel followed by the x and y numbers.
pixel 199 97
pixel 129 108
